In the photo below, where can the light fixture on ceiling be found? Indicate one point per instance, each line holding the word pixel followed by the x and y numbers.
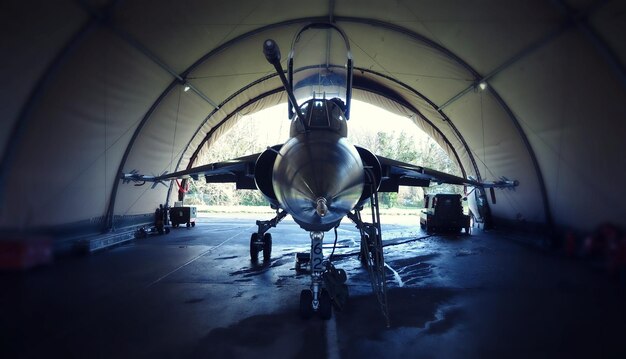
pixel 186 88
pixel 482 85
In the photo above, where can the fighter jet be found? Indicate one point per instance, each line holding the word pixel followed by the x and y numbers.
pixel 317 176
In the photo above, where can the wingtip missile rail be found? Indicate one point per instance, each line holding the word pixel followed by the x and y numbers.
pixel 502 183
pixel 139 180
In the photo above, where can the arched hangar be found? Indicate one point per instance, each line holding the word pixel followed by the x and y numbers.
pixel 528 90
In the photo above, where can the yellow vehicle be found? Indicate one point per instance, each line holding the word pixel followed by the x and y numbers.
pixel 183 215
pixel 444 213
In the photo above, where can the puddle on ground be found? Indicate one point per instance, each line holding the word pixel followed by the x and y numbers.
pixel 412 312
pixel 225 258
pixel 263 336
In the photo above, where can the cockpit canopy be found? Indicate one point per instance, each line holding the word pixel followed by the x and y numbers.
pixel 321 115
pixel 320 66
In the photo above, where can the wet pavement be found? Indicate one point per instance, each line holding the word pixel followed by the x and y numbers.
pixel 195 294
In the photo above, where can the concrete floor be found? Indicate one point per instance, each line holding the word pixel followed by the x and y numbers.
pixel 194 293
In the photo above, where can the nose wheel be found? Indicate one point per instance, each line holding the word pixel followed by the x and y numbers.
pixel 308 306
pixel 325 309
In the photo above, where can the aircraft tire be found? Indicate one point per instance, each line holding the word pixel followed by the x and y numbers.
pixel 342 276
pixel 326 309
pixel 306 304
pixel 267 246
pixel 363 252
pixel 254 250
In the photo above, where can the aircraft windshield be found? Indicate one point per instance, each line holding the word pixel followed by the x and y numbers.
pixel 326 115
pixel 319 65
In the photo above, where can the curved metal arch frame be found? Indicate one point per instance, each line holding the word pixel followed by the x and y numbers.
pixel 477 77
pixel 218 125
pixel 260 97
pixel 385 25
pixel 235 94
pixel 445 117
pixel 400 100
pixel 96 18
pixel 386 95
pixel 109 225
pixel 397 99
pixel 20 125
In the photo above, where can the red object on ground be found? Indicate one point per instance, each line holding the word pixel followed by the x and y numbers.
pixel 21 252
pixel 617 256
pixel 570 244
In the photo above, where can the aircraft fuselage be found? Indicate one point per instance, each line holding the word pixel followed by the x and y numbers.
pixel 318 177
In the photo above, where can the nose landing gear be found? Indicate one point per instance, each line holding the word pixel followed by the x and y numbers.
pixel 328 288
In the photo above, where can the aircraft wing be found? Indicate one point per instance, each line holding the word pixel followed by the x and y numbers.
pixel 239 170
pixel 397 173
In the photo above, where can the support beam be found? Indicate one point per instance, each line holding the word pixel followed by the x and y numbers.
pixel 109 225
pixel 25 114
pixel 216 127
pixel 581 21
pixel 139 47
pixel 356 85
pixel 452 56
pixel 506 64
pixel 372 22
pixel 104 18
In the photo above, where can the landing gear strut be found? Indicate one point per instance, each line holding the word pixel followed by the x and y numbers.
pixel 310 300
pixel 371 254
pixel 328 288
pixel 261 241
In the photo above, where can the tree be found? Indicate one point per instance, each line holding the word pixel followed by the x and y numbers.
pixel 416 148
pixel 242 139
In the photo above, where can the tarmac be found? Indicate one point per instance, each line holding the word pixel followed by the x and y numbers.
pixel 194 293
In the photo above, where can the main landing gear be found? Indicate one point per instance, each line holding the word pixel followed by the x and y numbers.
pixel 328 288
pixel 371 254
pixel 261 241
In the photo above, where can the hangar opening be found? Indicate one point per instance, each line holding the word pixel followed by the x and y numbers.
pixel 382 132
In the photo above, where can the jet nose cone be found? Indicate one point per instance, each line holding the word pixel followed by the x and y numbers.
pixel 322 207
pixel 318 178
